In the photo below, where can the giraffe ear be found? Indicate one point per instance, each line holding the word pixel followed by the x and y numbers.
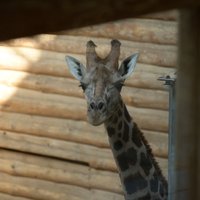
pixel 128 65
pixel 76 68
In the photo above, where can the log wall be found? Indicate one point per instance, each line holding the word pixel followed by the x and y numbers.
pixel 47 149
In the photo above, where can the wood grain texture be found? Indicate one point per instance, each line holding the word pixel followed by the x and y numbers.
pixel 70 130
pixel 60 106
pixel 95 157
pixel 155 54
pixel 47 149
pixel 46 190
pixel 44 168
pixel 4 196
pixel 140 30
pixel 65 86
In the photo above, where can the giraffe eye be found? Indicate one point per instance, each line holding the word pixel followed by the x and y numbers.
pixel 83 86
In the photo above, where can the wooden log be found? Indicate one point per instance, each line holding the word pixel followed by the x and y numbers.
pixel 44 83
pixel 73 173
pixel 49 84
pixel 40 189
pixel 140 30
pixel 60 129
pixel 19 164
pixel 45 168
pixel 88 178
pixel 95 157
pixel 158 143
pixel 164 55
pixel 52 105
pixel 25 187
pixel 142 78
pixel 32 60
pixel 33 102
pixel 145 98
pixel 11 197
pixel 52 63
pixel 69 44
pixel 147 118
pixel 99 158
pixel 69 130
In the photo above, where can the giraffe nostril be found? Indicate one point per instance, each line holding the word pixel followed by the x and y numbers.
pixel 100 105
pixel 92 106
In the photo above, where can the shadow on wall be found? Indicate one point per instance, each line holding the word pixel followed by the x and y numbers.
pixel 45 141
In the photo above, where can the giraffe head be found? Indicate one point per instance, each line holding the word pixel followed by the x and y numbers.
pixel 102 80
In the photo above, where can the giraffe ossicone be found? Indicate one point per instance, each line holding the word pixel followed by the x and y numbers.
pixel 102 80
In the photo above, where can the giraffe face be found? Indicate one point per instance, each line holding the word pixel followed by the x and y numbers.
pixel 101 84
pixel 102 92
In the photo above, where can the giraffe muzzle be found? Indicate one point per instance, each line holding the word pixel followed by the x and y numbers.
pixel 99 106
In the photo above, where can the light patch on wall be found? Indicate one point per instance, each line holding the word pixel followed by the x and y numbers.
pixel 18 57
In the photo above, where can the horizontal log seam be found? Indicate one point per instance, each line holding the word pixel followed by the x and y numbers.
pixel 68 87
pixel 46 190
pixel 150 123
pixel 86 178
pixel 148 52
pixel 5 196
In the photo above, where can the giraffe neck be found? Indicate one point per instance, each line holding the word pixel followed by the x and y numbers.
pixel 140 174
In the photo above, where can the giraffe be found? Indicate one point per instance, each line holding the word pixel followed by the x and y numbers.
pixel 102 80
